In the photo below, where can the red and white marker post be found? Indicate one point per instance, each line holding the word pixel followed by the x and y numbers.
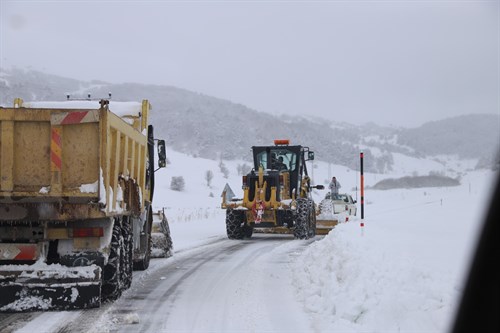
pixel 362 224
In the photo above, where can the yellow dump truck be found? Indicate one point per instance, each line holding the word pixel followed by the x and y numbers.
pixel 76 191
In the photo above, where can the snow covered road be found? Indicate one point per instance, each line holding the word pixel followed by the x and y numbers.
pixel 225 286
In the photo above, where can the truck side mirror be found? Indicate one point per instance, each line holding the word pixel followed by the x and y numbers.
pixel 162 154
pixel 310 155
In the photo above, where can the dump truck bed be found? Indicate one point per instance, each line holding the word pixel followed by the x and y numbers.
pixel 68 156
pixel 72 185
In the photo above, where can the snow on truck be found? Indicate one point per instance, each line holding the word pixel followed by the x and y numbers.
pixel 76 191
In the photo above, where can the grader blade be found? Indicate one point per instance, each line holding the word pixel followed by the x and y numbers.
pixel 275 230
pixel 161 241
pixel 65 289
pixel 323 227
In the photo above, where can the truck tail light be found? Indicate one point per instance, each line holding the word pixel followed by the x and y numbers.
pixel 88 232
pixel 244 180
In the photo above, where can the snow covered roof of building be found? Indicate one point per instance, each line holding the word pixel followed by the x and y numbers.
pixel 119 108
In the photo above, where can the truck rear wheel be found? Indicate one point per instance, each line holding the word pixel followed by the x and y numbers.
pixel 111 285
pixel 127 257
pixel 235 223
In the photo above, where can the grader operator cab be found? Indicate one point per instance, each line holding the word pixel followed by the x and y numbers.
pixel 276 194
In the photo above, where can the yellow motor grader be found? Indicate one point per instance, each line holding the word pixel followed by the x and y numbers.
pixel 276 194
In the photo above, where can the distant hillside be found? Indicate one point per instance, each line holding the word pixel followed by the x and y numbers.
pixel 209 127
pixel 469 136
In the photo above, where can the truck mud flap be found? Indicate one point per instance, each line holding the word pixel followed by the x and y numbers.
pixel 32 290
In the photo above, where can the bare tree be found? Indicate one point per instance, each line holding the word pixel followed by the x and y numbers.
pixel 177 184
pixel 223 169
pixel 243 169
pixel 209 175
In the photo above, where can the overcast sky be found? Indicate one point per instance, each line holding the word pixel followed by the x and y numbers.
pixel 391 62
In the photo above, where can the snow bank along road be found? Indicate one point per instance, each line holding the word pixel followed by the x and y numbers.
pixel 225 286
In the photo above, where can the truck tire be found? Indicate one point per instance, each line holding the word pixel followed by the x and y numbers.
pixel 302 219
pixel 111 285
pixel 235 223
pixel 143 264
pixel 128 252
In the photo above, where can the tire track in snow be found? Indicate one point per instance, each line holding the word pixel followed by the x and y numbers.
pixel 245 291
pixel 152 295
pixel 9 322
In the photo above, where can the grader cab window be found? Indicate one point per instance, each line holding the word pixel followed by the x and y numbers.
pixel 278 159
pixel 289 159
pixel 262 160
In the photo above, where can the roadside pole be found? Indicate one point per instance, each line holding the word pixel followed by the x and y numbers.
pixel 362 224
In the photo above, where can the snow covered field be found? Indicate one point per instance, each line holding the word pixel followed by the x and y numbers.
pixel 403 271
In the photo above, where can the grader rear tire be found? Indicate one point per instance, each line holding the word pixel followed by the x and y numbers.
pixel 312 219
pixel 247 231
pixel 235 224
pixel 302 228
